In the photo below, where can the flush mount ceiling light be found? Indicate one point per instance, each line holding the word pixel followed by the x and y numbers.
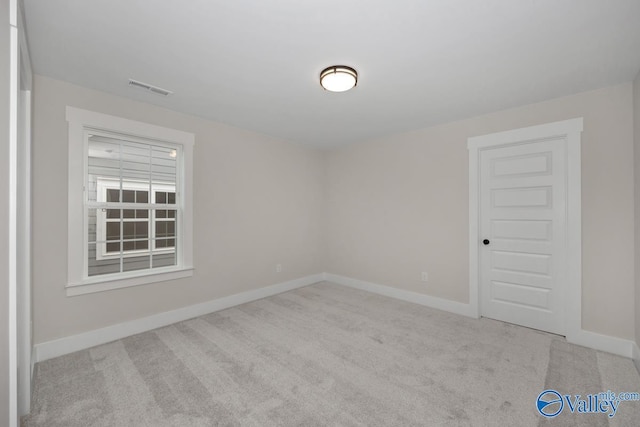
pixel 338 78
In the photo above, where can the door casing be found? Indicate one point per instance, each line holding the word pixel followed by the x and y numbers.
pixel 570 131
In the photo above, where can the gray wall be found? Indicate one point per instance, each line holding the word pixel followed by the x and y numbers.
pixel 400 205
pixel 257 203
pixel 4 213
pixel 636 132
pixel 389 208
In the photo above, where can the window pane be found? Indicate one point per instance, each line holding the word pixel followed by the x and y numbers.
pixel 128 246
pixel 161 228
pixel 136 263
pixel 128 213
pixel 161 197
pixel 92 225
pixel 113 213
pixel 171 198
pixel 113 195
pixel 164 260
pixel 165 229
pixel 113 247
pixel 135 160
pixel 128 196
pixel 142 245
pixel 163 243
pixel 161 213
pixel 142 213
pixel 105 266
pixel 127 230
pixel 135 230
pixel 113 230
pixel 103 162
pixel 172 214
pixel 142 229
pixel 163 164
pixel 142 197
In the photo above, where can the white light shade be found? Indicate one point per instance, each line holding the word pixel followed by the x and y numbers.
pixel 338 78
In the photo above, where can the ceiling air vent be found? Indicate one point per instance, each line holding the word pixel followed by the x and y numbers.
pixel 150 88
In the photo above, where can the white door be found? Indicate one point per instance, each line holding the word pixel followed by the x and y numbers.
pixel 522 232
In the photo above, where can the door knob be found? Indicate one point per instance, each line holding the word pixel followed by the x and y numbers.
pixel 486 241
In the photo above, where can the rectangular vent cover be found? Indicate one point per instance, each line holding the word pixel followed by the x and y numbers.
pixel 155 89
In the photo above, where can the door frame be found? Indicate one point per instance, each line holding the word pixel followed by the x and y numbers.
pixel 569 130
pixel 20 339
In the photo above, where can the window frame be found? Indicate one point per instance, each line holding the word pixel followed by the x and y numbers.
pixel 84 122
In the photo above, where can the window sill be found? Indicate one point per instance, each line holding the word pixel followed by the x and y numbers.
pixel 101 284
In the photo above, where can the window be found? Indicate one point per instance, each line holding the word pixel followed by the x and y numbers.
pixel 134 231
pixel 129 202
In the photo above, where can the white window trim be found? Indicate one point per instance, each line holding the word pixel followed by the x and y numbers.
pixel 103 184
pixel 80 123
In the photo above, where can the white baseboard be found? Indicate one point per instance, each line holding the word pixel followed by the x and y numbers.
pixel 66 345
pixel 607 343
pixel 414 297
pixel 635 355
pixel 614 345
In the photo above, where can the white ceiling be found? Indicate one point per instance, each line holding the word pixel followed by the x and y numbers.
pixel 255 63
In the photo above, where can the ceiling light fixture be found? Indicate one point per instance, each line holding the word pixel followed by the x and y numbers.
pixel 338 78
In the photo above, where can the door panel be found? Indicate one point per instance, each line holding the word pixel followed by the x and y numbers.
pixel 522 214
pixel 521 229
pixel 532 164
pixel 521 197
pixel 521 263
pixel 528 296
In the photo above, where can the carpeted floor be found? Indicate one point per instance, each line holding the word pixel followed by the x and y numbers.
pixel 327 355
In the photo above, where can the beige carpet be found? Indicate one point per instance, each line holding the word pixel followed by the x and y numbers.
pixel 327 355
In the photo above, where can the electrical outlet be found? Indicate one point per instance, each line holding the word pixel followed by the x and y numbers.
pixel 425 276
pixel 278 268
